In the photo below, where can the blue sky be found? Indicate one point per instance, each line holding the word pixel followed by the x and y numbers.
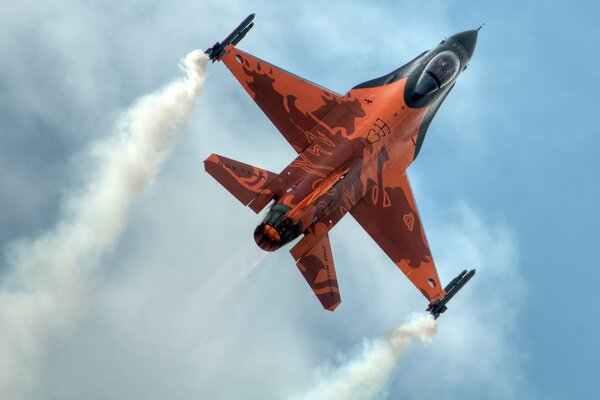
pixel 506 182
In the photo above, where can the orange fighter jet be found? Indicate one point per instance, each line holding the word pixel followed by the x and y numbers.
pixel 353 152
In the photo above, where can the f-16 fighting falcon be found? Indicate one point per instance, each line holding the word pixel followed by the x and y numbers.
pixel 353 152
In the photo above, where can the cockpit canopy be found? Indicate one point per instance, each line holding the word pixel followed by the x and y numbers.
pixel 440 70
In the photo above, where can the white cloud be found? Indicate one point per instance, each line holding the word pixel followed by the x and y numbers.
pixel 174 314
pixel 46 286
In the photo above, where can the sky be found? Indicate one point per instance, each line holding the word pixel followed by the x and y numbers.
pixel 186 306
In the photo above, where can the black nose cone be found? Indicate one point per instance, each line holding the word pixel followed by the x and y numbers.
pixel 467 39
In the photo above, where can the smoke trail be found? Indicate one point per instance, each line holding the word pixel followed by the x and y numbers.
pixel 366 376
pixel 254 264
pixel 51 275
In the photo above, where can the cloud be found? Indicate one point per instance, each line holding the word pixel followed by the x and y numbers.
pixel 46 286
pixel 179 311
pixel 477 351
pixel 170 309
pixel 367 375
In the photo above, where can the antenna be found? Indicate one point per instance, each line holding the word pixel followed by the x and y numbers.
pixel 481 26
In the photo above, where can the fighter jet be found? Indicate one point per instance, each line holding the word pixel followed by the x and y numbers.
pixel 353 152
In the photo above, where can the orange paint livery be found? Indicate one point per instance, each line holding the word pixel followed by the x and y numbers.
pixel 353 151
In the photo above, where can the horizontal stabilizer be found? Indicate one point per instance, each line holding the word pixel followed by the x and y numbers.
pixel 243 181
pixel 319 271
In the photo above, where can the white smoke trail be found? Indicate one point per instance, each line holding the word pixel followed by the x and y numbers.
pixel 254 264
pixel 366 376
pixel 51 275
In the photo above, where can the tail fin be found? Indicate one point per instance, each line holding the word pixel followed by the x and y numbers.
pixel 243 181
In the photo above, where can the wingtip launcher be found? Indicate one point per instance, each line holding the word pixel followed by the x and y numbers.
pixel 218 50
pixel 455 285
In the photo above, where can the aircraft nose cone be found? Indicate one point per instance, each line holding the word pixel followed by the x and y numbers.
pixel 467 39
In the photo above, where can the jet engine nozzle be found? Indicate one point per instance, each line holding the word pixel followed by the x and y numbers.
pixel 276 229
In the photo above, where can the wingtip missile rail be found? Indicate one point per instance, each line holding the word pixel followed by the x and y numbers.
pixel 218 50
pixel 455 285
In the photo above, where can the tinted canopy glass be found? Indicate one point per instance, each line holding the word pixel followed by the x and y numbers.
pixel 440 70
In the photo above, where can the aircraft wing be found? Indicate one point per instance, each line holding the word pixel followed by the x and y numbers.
pixel 294 105
pixel 389 215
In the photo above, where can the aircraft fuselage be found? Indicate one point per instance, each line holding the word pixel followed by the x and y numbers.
pixel 390 116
